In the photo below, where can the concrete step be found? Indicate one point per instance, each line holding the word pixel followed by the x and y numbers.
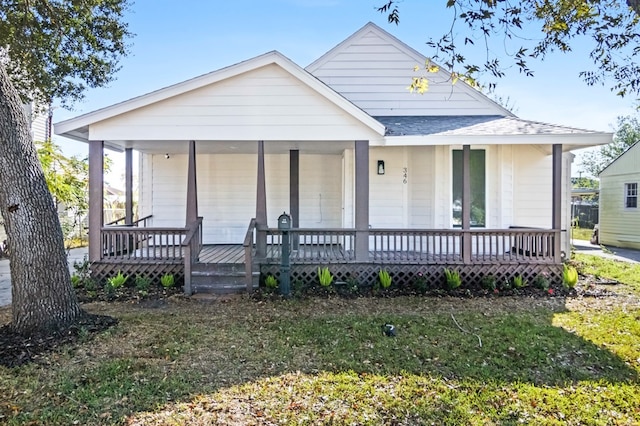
pixel 220 279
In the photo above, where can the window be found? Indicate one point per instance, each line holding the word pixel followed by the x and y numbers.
pixel 477 175
pixel 631 195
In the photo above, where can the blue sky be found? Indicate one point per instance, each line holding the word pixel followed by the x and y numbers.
pixel 175 41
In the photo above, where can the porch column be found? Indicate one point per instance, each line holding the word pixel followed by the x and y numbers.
pixel 261 205
pixel 96 199
pixel 362 200
pixel 466 204
pixel 294 192
pixel 556 203
pixel 128 186
pixel 192 186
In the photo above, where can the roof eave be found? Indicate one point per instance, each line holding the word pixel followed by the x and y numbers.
pixel 69 128
pixel 568 141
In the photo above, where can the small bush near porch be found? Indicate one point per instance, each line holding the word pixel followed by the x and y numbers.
pixel 237 361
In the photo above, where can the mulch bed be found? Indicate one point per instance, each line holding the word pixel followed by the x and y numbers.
pixel 17 349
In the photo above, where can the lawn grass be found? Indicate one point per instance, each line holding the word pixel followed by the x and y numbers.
pixel 327 361
pixel 581 234
pixel 624 272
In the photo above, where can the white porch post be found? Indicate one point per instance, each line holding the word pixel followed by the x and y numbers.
pixel 362 200
pixel 261 205
pixel 556 203
pixel 128 186
pixel 96 199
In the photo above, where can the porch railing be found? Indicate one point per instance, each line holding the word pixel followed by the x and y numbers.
pixel 140 243
pixel 310 245
pixel 249 253
pixel 142 222
pixel 521 245
pixel 192 244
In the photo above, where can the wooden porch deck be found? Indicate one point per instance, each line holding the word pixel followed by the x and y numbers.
pixel 502 252
pixel 312 254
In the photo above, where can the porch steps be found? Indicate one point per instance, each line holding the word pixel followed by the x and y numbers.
pixel 220 278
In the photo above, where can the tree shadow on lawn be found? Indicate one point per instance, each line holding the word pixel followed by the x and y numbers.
pixel 216 347
pixel 507 347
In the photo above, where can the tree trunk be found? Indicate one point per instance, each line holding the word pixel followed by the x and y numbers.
pixel 42 295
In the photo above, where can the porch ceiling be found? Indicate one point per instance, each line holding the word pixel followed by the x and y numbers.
pixel 232 147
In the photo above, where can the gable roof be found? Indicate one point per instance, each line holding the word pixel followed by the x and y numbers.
pixel 472 125
pixel 617 163
pixel 77 128
pixel 373 57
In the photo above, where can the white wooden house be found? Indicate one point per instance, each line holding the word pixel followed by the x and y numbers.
pixel 370 173
pixel 619 214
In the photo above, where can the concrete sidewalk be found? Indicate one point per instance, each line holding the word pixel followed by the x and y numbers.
pixel 75 255
pixel 616 253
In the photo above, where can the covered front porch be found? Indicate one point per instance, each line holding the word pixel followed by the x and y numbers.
pixel 137 247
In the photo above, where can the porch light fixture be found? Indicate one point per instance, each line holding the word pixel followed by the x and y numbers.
pixel 167 156
pixel 380 167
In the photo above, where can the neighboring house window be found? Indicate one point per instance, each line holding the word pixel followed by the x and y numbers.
pixel 631 195
pixel 478 188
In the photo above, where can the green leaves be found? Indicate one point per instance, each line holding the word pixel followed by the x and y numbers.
pixel 58 48
pixel 67 177
pixel 385 278
pixel 610 27
pixel 325 277
pixel 569 276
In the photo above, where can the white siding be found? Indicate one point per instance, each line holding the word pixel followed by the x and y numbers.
pixel 227 192
pixel 442 187
pixel 320 191
pixel 533 189
pixel 264 104
pixel 620 226
pixel 145 185
pixel 420 182
pixel 532 179
pixel 169 187
pixel 373 70
pixel 387 208
pixel 502 211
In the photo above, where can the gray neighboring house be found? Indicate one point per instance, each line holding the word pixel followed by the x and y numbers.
pixel 619 208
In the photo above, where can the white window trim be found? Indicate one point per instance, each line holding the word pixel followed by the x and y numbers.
pixel 627 186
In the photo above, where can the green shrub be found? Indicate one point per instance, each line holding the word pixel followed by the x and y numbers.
pixel 385 278
pixel 76 281
pixel 271 282
pixel 117 281
pixel 167 280
pixel 453 279
pixel 419 283
pixel 569 276
pixel 352 284
pixel 488 282
pixel 325 277
pixel 82 273
pixel 519 282
pixel 541 281
pixel 142 283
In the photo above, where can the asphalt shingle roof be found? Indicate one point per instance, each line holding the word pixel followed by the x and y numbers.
pixel 470 125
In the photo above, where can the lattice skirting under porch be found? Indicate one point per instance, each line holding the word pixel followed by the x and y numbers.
pixel 101 271
pixel 403 275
